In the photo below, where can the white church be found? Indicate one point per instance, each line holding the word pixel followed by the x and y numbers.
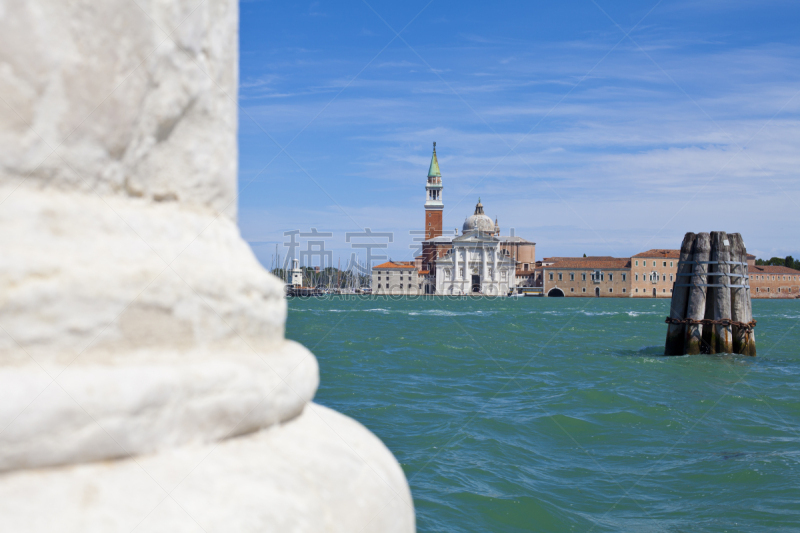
pixel 476 263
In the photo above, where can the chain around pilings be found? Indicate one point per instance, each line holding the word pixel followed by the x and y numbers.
pixel 747 326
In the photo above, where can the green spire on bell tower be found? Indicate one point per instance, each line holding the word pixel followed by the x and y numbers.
pixel 433 170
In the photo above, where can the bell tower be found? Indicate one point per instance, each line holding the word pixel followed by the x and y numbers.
pixel 433 200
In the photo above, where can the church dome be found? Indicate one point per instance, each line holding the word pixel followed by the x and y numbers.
pixel 478 221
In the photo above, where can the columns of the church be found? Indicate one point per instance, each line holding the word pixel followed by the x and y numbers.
pixel 466 264
pixel 484 266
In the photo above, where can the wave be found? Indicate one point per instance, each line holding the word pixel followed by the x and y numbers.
pixel 442 312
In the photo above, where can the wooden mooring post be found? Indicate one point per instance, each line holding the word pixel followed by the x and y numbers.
pixel 711 311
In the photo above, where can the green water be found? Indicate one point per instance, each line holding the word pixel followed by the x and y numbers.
pixel 560 414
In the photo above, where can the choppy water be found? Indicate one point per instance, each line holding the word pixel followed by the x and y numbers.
pixel 545 414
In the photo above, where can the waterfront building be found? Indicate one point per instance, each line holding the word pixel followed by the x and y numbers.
pixel 650 274
pixel 653 273
pixel 527 277
pixel 397 278
pixel 476 263
pixel 587 276
pixel 767 281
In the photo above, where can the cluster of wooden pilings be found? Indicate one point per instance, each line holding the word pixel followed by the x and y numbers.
pixel 711 310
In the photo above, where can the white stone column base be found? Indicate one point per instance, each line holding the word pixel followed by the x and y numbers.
pixel 318 472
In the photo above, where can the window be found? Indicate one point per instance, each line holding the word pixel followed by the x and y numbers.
pixel 611 277
pixel 663 290
pixel 583 289
pixel 637 277
pixel 420 285
pixel 610 289
pixel 379 285
pixel 637 290
pixel 551 276
pixel 571 289
pixel 623 289
pixel 664 277
pixel 559 276
pixel 758 289
pixel 665 263
pixel 525 266
pixel 637 262
pixel 670 290
pixel 572 277
pixel 670 263
pixel 401 285
pixel 379 278
pixel 583 278
pixel 624 277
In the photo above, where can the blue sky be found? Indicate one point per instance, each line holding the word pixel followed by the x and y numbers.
pixel 588 127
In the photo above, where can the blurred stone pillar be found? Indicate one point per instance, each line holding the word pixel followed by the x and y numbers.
pixel 145 381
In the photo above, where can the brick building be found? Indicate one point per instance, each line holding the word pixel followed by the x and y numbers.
pixel 529 277
pixel 650 274
pixel 773 281
pixel 587 276
pixel 653 273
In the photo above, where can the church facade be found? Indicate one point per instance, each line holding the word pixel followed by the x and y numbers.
pixel 475 263
pixel 479 261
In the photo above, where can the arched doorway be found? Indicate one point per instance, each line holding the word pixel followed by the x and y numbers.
pixel 556 292
pixel 597 291
pixel 654 292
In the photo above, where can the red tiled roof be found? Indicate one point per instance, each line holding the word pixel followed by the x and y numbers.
pixel 770 269
pixel 394 264
pixel 750 256
pixel 660 253
pixel 591 262
pixel 424 272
